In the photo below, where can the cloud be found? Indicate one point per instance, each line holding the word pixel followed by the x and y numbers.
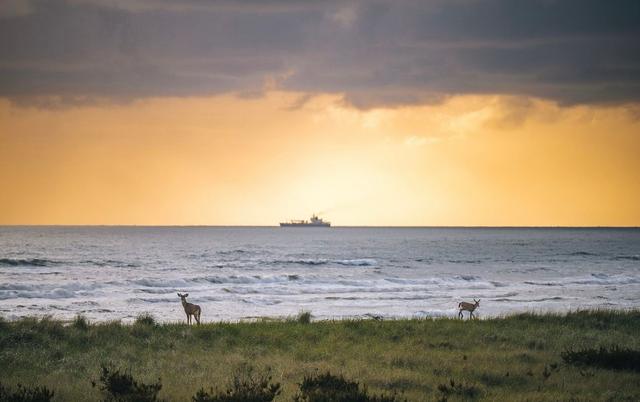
pixel 14 8
pixel 376 53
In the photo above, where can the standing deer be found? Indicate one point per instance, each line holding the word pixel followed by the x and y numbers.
pixel 470 307
pixel 190 309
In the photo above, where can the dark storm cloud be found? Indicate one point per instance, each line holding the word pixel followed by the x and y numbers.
pixel 394 52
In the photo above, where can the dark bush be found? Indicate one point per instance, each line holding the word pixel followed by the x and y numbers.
pixel 615 358
pixel 304 317
pixel 330 388
pixel 245 387
pixel 464 390
pixel 122 387
pixel 146 319
pixel 81 323
pixel 24 394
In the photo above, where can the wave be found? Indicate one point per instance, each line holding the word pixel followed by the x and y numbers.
pixel 465 261
pixel 302 261
pixel 27 291
pixel 593 279
pixel 28 262
pixel 160 286
pixel 380 297
pixel 34 293
pixel 232 252
pixel 358 262
pixel 544 299
pixel 467 277
pixel 584 254
pixel 256 279
pixel 261 302
pixel 151 300
pixel 174 300
pixel 111 263
pixel 628 257
pixel 161 283
pixel 455 280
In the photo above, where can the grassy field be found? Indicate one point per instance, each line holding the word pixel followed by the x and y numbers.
pixel 513 358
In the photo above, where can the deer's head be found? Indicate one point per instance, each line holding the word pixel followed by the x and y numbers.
pixel 183 296
pixel 477 302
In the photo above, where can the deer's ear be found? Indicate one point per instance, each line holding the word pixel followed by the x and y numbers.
pixel 186 295
pixel 179 295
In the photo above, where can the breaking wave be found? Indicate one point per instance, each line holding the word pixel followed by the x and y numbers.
pixel 111 263
pixel 27 262
pixel 593 279
pixel 583 253
pixel 72 290
pixel 356 262
pixel 628 257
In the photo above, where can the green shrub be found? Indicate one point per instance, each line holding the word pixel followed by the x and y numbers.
pixel 245 387
pixel 615 358
pixel 24 394
pixel 464 390
pixel 331 388
pixel 122 387
pixel 146 319
pixel 81 323
pixel 304 317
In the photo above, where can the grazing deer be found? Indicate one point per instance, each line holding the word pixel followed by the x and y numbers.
pixel 470 307
pixel 190 309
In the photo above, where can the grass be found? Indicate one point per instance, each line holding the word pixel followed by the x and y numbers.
pixel 519 357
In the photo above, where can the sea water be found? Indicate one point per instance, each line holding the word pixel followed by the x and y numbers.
pixel 237 273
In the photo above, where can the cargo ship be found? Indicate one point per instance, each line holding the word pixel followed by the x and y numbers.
pixel 314 221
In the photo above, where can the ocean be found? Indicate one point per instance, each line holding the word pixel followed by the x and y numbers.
pixel 240 273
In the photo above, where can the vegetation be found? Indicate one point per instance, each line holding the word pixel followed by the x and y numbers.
pixel 145 319
pixel 331 388
pixel 304 317
pixel 246 386
pixel 520 357
pixel 615 358
pixel 122 387
pixel 25 394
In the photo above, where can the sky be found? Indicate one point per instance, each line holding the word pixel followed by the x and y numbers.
pixel 407 113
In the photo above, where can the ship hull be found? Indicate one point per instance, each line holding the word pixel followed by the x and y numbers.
pixel 306 225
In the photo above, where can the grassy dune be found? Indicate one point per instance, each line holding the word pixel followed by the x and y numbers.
pixel 512 358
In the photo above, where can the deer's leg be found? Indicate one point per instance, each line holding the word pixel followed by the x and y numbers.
pixel 197 316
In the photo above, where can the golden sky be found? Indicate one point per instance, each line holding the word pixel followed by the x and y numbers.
pixel 408 113
pixel 229 160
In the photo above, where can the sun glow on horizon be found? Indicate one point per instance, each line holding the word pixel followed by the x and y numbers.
pixel 225 160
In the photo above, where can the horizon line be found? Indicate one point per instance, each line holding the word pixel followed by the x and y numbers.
pixel 338 226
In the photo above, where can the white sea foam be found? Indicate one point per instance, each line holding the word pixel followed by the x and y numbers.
pixel 234 273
